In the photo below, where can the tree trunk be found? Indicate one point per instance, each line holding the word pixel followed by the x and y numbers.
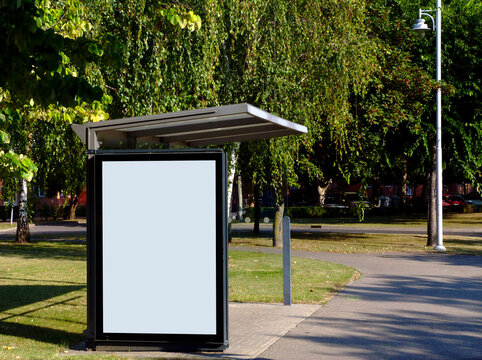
pixel 257 210
pixel 240 199
pixel 278 225
pixel 23 231
pixel 322 189
pixel 404 183
pixel 432 199
pixel 73 207
pixel 232 169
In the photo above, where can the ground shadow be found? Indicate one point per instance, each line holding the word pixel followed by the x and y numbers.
pixel 413 328
pixel 46 335
pixel 298 234
pixel 14 296
pixel 458 292
pixel 68 250
pixel 73 236
pixel 441 257
pixel 62 223
pixel 381 337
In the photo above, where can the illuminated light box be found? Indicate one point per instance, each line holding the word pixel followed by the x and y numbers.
pixel 160 246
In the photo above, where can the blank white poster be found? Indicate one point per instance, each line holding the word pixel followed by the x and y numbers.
pixel 159 247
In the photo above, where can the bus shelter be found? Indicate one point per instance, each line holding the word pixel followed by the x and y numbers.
pixel 157 226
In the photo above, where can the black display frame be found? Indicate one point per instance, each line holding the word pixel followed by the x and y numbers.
pixel 97 338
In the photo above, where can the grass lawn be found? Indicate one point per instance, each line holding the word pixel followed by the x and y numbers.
pixel 374 243
pixel 43 292
pixel 258 277
pixel 365 243
pixel 6 225
pixel 451 220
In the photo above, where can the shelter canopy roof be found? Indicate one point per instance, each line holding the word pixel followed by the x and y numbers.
pixel 192 128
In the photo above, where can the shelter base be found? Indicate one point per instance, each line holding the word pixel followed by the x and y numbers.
pixel 99 345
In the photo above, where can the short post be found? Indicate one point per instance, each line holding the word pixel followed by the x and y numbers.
pixel 286 261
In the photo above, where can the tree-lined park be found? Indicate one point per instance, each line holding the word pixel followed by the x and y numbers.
pixel 353 72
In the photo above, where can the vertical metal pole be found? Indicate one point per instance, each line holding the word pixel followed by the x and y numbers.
pixel 286 261
pixel 438 29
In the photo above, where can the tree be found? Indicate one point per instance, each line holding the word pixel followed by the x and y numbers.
pixel 37 68
pixel 16 166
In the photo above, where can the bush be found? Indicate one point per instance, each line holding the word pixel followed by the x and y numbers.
pixel 469 209
pixel 303 212
pixel 56 212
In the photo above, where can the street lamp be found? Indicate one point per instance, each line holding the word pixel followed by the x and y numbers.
pixel 422 28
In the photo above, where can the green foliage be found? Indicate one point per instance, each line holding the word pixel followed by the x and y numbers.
pixel 350 71
pixel 157 57
pixel 32 58
pixel 13 163
pixel 461 102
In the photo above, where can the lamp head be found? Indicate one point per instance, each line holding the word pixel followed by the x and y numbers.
pixel 420 27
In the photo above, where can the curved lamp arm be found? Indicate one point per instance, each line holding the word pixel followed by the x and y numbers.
pixel 426 13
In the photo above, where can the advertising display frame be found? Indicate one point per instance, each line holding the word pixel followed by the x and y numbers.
pixel 125 339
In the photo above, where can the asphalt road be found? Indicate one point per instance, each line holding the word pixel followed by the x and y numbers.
pixel 79 229
pixel 54 229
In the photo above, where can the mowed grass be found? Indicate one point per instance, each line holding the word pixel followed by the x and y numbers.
pixel 6 226
pixel 450 220
pixel 42 298
pixel 43 293
pixel 364 243
pixel 258 277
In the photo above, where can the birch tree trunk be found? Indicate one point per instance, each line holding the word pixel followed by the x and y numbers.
pixel 278 225
pixel 23 231
pixel 240 198
pixel 232 170
pixel 322 189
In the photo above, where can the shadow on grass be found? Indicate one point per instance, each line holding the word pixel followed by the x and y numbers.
pixel 79 237
pixel 14 296
pixel 42 334
pixel 468 242
pixel 67 250
pixel 300 235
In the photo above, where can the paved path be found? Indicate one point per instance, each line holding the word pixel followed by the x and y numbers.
pixel 252 329
pixel 80 228
pixel 404 306
pixel 54 230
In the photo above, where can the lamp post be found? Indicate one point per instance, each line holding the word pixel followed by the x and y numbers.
pixel 421 27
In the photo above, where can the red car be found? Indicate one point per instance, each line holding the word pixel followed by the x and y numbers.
pixel 455 200
pixel 445 202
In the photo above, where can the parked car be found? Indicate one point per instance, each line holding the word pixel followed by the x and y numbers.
pixel 352 199
pixel 335 201
pixel 473 199
pixel 456 200
pixel 445 203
